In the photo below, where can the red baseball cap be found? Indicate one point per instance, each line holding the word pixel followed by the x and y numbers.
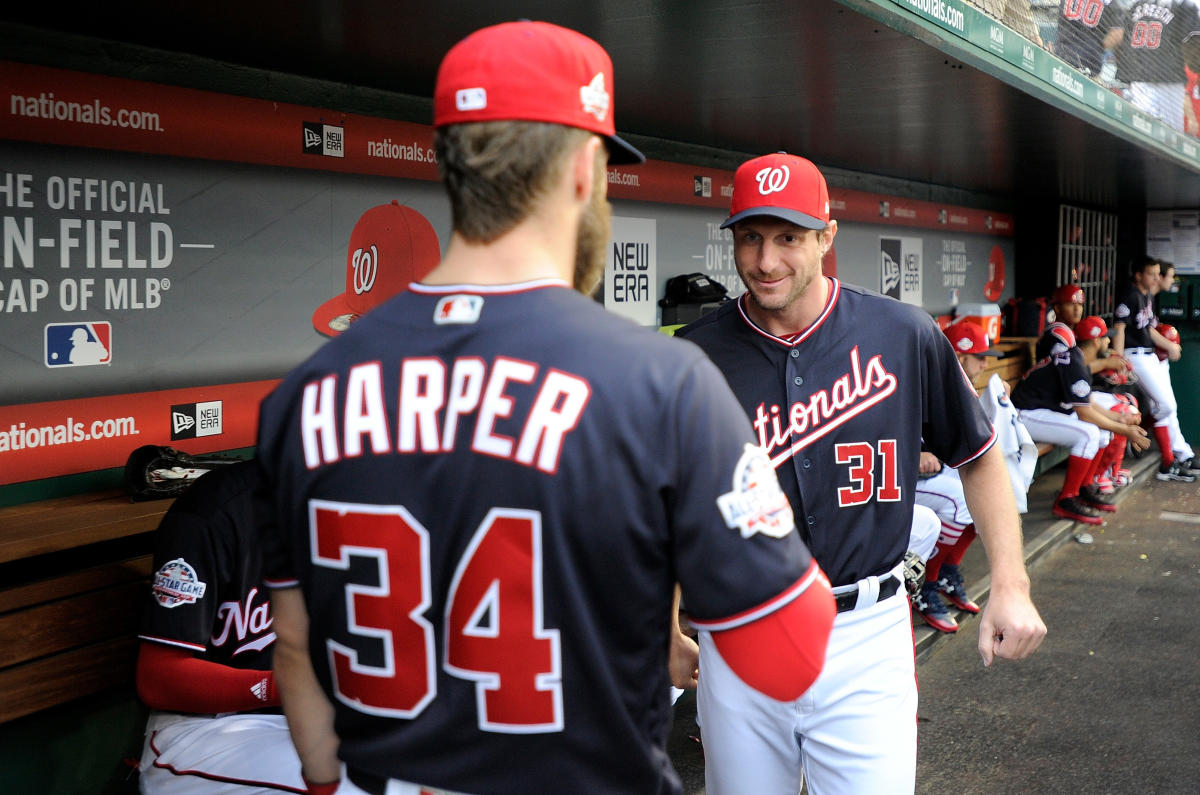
pixel 967 337
pixel 391 246
pixel 1068 294
pixel 530 71
pixel 781 186
pixel 1090 328
pixel 1168 331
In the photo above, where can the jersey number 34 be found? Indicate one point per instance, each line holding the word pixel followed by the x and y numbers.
pixel 492 625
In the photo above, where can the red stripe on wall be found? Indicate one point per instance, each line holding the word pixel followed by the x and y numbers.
pixel 64 437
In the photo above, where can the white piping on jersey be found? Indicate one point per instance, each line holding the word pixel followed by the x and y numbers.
pixel 182 644
pixel 489 289
pixel 986 446
pixel 765 609
pixel 795 339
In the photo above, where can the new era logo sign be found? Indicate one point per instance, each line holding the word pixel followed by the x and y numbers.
pixel 181 422
pixel 192 420
pixel 324 139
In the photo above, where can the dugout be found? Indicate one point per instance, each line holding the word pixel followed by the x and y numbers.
pixel 206 165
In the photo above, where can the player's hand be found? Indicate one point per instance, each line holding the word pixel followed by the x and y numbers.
pixel 684 662
pixel 1010 627
pixel 1117 362
pixel 929 464
pixel 1137 437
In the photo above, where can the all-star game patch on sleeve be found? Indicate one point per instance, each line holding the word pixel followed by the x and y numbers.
pixel 729 506
pixel 182 588
pixel 206 591
pixel 949 394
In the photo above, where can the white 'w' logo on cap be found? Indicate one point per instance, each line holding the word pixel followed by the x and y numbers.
pixel 366 265
pixel 772 180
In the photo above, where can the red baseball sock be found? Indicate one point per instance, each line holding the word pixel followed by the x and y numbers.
pixel 1077 469
pixel 1099 464
pixel 933 566
pixel 1162 435
pixel 955 555
pixel 1118 454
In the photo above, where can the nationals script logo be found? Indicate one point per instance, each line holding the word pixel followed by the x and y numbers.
pixel 242 620
pixel 365 265
pixel 772 180
pixel 825 410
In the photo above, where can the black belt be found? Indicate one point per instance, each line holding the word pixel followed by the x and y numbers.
pixel 367 782
pixel 887 589
pixel 1139 350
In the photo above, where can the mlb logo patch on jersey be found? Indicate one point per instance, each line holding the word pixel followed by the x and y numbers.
pixel 78 344
pixel 460 309
pixel 176 584
pixel 757 504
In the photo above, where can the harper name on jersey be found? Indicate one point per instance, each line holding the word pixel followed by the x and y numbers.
pixel 435 398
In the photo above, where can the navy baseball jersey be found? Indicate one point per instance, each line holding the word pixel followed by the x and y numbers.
pixel 487 495
pixel 1151 51
pixel 1082 26
pixel 842 414
pixel 1059 382
pixel 1135 309
pixel 207 593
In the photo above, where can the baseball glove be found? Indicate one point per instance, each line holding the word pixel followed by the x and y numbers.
pixel 154 473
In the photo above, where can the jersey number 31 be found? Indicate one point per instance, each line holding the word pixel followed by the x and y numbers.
pixel 492 625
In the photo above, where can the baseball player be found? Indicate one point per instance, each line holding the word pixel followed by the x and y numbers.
pixel 483 492
pixel 1182 450
pixel 841 411
pixel 1136 338
pixel 1113 384
pixel 940 489
pixel 1055 403
pixel 204 665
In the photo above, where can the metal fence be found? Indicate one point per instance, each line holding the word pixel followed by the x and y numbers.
pixel 1087 256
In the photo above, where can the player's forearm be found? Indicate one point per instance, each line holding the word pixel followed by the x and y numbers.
pixel 989 496
pixel 1117 346
pixel 309 712
pixel 171 679
pixel 1101 418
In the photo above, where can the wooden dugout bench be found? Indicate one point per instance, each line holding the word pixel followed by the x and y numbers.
pixel 73 579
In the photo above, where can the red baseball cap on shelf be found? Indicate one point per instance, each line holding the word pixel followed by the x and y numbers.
pixel 391 246
pixel 780 186
pixel 967 337
pixel 1067 294
pixel 1090 328
pixel 530 71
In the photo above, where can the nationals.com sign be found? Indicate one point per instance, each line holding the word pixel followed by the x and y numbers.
pixel 64 437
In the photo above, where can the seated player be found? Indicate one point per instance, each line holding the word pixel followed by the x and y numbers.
pixel 204 664
pixel 940 490
pixel 1055 403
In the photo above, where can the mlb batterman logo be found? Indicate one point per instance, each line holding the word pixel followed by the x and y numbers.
pixel 757 504
pixel 176 584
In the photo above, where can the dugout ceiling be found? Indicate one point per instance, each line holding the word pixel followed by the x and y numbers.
pixel 862 86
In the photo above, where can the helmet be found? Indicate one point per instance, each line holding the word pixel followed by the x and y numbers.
pixel 1171 333
pixel 1067 294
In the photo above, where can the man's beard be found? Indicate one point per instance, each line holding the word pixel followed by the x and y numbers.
pixel 595 229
